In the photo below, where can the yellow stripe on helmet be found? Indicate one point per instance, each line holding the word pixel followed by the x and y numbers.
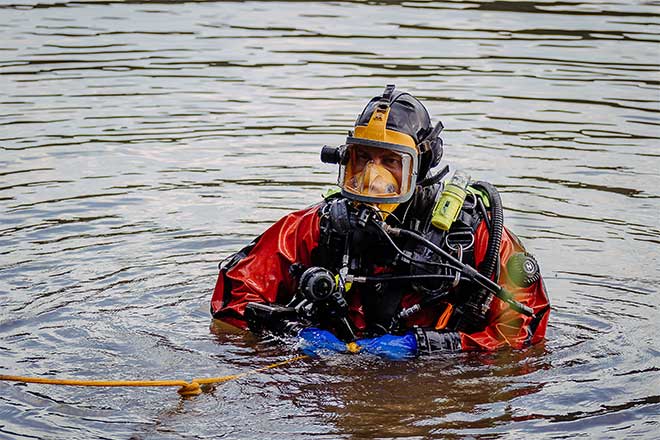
pixel 376 130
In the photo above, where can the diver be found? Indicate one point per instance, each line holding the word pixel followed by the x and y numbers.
pixel 399 262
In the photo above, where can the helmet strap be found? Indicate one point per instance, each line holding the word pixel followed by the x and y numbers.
pixel 426 144
pixel 387 93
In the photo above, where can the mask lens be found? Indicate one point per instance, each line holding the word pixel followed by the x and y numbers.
pixel 376 172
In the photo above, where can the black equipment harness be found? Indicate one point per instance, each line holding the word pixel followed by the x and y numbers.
pixel 391 257
pixel 420 258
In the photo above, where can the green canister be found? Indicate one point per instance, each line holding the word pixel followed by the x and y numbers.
pixel 451 200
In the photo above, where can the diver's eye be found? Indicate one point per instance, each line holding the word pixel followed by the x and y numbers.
pixel 363 157
pixel 392 163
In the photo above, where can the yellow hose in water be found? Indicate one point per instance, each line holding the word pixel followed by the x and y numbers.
pixel 191 388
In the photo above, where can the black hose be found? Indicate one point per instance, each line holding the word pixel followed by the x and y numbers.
pixel 437 177
pixel 386 278
pixel 466 269
pixel 406 257
pixel 489 265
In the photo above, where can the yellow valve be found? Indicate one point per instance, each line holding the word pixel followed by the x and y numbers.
pixel 352 347
pixel 347 284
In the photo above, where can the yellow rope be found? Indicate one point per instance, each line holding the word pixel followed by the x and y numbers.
pixel 238 376
pixel 186 388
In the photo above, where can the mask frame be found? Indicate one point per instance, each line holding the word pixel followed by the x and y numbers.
pixel 408 177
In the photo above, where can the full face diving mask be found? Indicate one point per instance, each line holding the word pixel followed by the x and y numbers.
pixel 377 174
pixel 379 162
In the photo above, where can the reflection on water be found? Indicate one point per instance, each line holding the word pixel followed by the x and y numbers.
pixel 142 142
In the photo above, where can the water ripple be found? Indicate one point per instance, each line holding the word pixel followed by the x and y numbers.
pixel 143 142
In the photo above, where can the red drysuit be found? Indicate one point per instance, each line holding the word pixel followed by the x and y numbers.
pixel 263 276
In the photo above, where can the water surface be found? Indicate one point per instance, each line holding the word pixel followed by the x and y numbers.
pixel 142 142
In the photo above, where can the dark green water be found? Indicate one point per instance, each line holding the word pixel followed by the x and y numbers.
pixel 142 142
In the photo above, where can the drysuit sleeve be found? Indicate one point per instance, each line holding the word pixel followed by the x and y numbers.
pixel 507 327
pixel 262 274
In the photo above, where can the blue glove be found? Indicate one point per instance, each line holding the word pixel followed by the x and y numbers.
pixel 390 346
pixel 314 341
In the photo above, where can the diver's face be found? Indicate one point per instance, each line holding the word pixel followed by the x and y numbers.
pixel 389 160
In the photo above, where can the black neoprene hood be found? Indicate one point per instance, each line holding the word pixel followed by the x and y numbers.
pixel 407 115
